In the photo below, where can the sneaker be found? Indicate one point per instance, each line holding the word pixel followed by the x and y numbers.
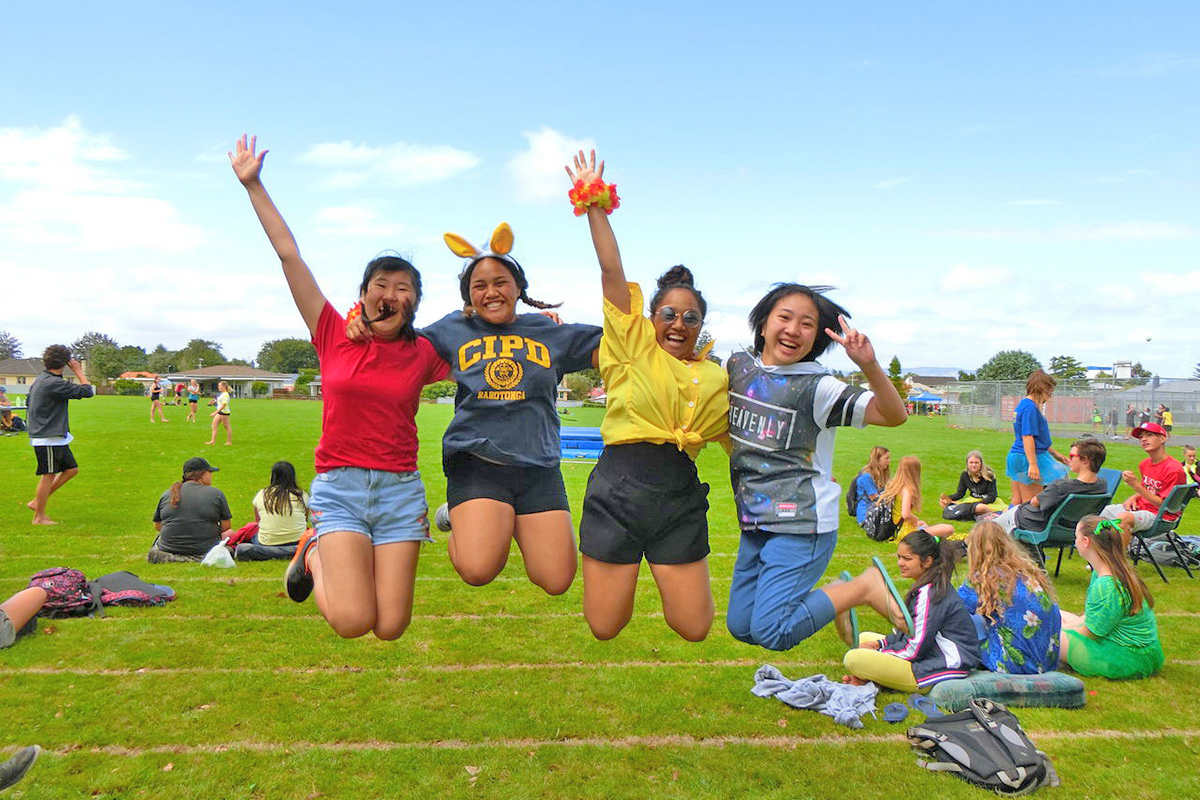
pixel 15 768
pixel 442 517
pixel 297 580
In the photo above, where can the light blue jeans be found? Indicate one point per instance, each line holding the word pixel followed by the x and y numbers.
pixel 254 551
pixel 771 600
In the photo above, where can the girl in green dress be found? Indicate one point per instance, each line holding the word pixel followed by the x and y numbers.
pixel 1117 635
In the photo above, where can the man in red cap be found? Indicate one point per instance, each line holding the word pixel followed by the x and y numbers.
pixel 1160 472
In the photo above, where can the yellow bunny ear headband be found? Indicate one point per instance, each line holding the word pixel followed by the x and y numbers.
pixel 498 248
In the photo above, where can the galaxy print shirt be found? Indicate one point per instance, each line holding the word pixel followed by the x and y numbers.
pixel 781 423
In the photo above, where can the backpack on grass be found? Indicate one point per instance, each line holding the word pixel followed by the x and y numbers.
pixel 878 522
pixel 852 498
pixel 985 746
pixel 68 593
pixel 126 589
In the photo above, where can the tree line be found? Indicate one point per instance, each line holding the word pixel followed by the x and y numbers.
pixel 107 358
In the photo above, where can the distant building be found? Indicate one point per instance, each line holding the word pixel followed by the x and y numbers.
pixel 240 379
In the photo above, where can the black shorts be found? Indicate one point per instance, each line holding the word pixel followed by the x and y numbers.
pixel 529 490
pixel 54 458
pixel 644 500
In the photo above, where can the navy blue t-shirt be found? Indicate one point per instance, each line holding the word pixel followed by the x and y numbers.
pixel 508 378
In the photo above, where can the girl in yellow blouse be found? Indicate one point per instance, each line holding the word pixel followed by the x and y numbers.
pixel 665 401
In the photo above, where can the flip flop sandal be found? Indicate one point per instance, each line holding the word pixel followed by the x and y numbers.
pixel 847 577
pixel 895 712
pixel 893 591
pixel 926 706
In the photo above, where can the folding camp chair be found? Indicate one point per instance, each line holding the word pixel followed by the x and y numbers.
pixel 1111 477
pixel 1060 528
pixel 1175 504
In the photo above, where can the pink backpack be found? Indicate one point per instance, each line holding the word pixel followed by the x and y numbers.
pixel 68 593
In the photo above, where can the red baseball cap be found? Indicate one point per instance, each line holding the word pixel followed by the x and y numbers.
pixel 1149 427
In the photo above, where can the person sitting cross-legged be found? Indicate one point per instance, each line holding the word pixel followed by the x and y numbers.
pixel 1086 457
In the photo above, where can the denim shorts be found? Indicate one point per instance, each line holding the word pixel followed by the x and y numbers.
pixel 386 507
pixel 7 634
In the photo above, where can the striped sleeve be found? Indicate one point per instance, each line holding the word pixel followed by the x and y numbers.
pixel 908 647
pixel 839 405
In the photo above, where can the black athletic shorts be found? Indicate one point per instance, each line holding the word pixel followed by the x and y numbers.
pixel 529 490
pixel 54 458
pixel 644 500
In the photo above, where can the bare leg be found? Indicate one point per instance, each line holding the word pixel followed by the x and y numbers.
pixel 228 428
pixel 343 569
pixel 1024 492
pixel 48 485
pixel 867 589
pixel 480 538
pixel 608 591
pixel 686 597
pixel 23 606
pixel 548 549
pixel 212 439
pixel 395 579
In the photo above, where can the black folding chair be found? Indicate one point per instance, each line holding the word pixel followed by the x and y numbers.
pixel 1164 530
pixel 1060 528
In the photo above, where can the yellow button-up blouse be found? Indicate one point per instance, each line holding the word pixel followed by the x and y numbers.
pixel 652 396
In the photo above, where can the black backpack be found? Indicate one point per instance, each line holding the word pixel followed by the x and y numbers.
pixel 878 520
pixel 852 497
pixel 984 745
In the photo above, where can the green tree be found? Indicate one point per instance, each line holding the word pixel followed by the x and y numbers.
pixel 1008 365
pixel 966 376
pixel 134 358
pixel 160 360
pixel 131 388
pixel 82 347
pixel 1138 371
pixel 440 389
pixel 896 377
pixel 259 388
pixel 10 346
pixel 287 355
pixel 578 385
pixel 104 363
pixel 305 378
pixel 701 342
pixel 199 353
pixel 1067 368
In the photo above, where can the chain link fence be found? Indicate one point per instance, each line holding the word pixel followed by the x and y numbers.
pixel 1076 404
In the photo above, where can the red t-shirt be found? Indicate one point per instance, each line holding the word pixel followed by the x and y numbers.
pixel 1160 478
pixel 371 390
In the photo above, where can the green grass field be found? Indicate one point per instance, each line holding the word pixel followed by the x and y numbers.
pixel 233 691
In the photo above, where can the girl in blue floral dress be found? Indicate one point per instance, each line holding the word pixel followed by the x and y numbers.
pixel 1014 600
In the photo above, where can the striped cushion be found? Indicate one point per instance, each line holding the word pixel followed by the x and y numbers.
pixel 1048 690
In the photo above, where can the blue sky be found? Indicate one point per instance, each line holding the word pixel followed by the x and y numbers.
pixel 971 177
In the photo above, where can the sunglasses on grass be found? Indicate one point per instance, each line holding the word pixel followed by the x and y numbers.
pixel 668 315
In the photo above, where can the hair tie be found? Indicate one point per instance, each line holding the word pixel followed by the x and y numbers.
pixel 1109 523
pixel 937 539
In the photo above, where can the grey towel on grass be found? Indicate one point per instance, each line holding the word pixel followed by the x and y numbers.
pixel 846 703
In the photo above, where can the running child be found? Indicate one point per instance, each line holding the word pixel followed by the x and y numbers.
pixel 784 409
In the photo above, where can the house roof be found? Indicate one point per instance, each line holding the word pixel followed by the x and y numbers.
pixel 138 376
pixel 21 366
pixel 228 371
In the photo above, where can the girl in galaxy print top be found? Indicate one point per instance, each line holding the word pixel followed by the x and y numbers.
pixel 783 411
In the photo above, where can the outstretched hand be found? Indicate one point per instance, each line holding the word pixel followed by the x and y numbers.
pixel 247 165
pixel 854 342
pixel 585 168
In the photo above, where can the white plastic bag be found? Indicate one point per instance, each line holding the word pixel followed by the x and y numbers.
pixel 219 556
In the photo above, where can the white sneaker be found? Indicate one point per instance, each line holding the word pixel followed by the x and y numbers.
pixel 441 517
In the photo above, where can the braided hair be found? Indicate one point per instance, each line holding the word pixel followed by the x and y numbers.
pixel 464 281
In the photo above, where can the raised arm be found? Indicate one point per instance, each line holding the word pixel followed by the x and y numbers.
pixel 886 407
pixel 612 274
pixel 247 165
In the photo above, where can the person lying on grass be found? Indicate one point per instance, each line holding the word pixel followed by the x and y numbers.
pixel 1117 634
pixel 941 644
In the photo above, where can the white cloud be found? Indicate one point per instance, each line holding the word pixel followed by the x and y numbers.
pixel 69 192
pixel 538 170
pixel 356 221
pixel 962 278
pixel 890 183
pixel 1037 201
pixel 1103 232
pixel 399 164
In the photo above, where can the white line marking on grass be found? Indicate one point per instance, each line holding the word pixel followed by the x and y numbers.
pixel 624 743
pixel 558 665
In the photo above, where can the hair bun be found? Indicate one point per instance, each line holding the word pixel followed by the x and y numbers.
pixel 678 274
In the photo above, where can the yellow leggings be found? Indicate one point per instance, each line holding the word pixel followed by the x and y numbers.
pixel 882 668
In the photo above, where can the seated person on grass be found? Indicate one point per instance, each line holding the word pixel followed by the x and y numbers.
pixel 1191 467
pixel 977 483
pixel 1159 474
pixel 1086 458
pixel 281 512
pixel 1014 598
pixel 191 516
